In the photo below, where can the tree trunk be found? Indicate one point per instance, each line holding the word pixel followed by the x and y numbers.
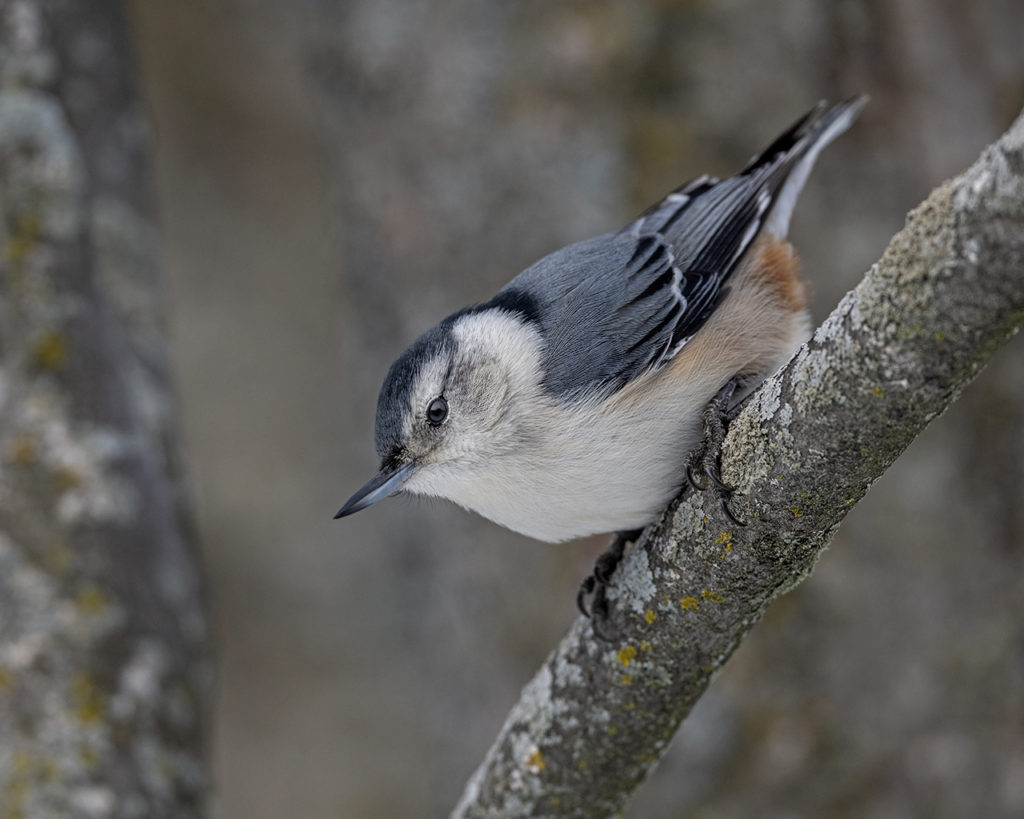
pixel 103 674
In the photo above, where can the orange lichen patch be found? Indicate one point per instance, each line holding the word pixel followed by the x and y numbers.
pixel 23 238
pixel 650 616
pixel 23 450
pixel 535 761
pixel 66 478
pixel 49 769
pixel 88 701
pixel 90 600
pixel 775 264
pixel 626 654
pixel 88 757
pixel 689 604
pixel 57 559
pixel 50 352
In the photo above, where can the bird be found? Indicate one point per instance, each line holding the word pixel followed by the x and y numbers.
pixel 580 397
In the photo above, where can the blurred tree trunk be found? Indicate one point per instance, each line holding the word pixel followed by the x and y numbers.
pixel 103 676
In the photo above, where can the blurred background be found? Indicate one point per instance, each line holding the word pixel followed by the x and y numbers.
pixel 334 177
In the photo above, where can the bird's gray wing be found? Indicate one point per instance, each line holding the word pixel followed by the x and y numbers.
pixel 616 306
pixel 613 307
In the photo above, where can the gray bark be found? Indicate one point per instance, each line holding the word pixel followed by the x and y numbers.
pixel 103 679
pixel 947 293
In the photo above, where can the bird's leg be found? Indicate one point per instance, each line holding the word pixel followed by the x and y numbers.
pixel 702 467
pixel 597 582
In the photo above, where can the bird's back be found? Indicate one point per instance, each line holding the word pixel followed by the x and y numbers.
pixel 612 307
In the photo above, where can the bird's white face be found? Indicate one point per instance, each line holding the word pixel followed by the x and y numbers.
pixel 487 382
pixel 459 398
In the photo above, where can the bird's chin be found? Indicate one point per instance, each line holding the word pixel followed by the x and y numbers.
pixel 440 479
pixel 425 480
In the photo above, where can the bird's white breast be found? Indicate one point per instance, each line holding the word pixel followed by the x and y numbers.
pixel 578 469
pixel 557 470
pixel 606 466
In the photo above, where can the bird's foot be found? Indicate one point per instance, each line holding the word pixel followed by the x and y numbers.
pixel 702 467
pixel 596 584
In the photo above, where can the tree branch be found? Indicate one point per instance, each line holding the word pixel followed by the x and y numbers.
pixel 895 353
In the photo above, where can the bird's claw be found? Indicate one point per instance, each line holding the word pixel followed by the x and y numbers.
pixel 703 461
pixel 596 584
pixel 586 588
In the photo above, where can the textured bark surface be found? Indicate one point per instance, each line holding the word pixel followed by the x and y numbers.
pixel 103 679
pixel 947 293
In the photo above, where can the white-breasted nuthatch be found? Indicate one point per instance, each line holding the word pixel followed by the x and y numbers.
pixel 567 405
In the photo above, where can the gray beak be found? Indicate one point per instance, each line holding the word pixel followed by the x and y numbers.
pixel 379 487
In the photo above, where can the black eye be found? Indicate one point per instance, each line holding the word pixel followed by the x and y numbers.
pixel 437 412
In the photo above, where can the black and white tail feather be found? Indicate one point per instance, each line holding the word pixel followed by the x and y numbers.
pixel 691 241
pixel 634 298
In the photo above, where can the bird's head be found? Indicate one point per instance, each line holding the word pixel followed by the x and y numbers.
pixel 459 397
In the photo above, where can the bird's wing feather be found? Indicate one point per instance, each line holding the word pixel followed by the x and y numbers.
pixel 629 301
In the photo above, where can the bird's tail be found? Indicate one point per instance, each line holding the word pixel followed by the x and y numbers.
pixel 796 151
